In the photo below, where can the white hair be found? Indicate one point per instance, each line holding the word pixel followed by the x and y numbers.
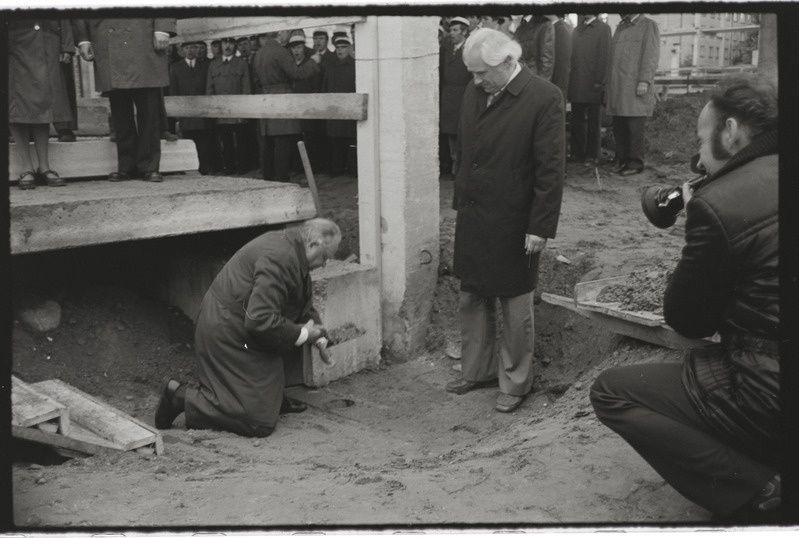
pixel 492 47
pixel 325 231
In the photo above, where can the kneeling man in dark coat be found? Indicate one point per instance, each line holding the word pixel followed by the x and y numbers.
pixel 257 312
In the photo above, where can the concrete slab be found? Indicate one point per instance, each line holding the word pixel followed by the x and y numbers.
pixel 98 157
pixel 97 212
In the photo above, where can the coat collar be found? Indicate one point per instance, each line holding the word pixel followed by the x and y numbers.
pixel 763 144
pixel 294 237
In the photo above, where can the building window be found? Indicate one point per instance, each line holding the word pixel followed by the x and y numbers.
pixel 701 51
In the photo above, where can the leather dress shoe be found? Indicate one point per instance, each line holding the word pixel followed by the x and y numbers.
pixel 66 136
pixel 290 405
pixel 153 177
pixel 167 412
pixel 169 137
pixel 507 402
pixel 462 386
pixel 630 171
pixel 118 176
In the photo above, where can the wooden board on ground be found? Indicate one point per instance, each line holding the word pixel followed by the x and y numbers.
pixel 30 407
pixel 100 419
pixel 586 293
pixel 62 441
pixel 661 335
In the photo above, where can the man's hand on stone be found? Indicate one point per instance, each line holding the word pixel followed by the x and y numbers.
pixel 315 332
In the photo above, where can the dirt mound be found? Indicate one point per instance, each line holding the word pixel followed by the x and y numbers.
pixel 671 132
pixel 642 291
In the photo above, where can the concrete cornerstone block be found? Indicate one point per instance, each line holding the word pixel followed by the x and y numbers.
pixel 347 296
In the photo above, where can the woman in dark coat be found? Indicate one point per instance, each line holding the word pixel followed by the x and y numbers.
pixel 37 93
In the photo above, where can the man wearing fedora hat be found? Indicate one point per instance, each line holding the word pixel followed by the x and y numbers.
pixel 339 77
pixel 274 70
pixel 453 78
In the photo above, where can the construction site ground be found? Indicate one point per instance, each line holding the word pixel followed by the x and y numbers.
pixel 387 446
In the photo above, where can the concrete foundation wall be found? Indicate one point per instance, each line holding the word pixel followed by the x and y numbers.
pixel 409 196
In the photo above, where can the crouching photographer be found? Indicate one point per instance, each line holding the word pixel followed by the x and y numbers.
pixel 710 425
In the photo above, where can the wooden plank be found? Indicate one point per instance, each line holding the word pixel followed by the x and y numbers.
pixel 586 293
pixel 310 106
pixel 98 157
pixel 210 28
pixel 98 417
pixel 30 407
pixel 61 441
pixel 661 335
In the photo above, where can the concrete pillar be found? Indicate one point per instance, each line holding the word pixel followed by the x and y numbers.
pixel 397 65
pixel 767 46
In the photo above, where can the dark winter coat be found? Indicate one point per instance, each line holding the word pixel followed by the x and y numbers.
pixel 124 56
pixel 228 78
pixel 563 55
pixel 339 77
pixel 590 53
pixel 634 56
pixel 508 183
pixel 275 70
pixel 727 281
pixel 183 80
pixel 537 38
pixel 37 91
pixel 249 319
pixel 453 80
pixel 312 84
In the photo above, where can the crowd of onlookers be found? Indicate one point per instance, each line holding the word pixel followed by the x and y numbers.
pixel 591 66
pixel 135 66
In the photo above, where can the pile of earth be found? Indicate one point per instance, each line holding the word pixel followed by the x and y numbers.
pixel 641 291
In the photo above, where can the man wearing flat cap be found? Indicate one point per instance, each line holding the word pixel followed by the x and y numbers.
pixel 339 77
pixel 274 70
pixel 230 75
pixel 189 76
pixel 453 77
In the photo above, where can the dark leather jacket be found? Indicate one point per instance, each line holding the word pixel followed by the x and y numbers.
pixel 727 282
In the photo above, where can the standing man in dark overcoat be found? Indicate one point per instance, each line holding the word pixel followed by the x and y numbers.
pixel 590 50
pixel 274 71
pixel 189 76
pixel 630 87
pixel 509 182
pixel 536 35
pixel 252 324
pixel 454 78
pixel 339 77
pixel 561 69
pixel 131 68
pixel 230 75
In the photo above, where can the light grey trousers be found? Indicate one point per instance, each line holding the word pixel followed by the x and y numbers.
pixel 513 364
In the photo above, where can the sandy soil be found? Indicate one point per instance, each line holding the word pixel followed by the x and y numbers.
pixel 386 446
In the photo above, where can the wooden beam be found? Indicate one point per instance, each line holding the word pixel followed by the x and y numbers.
pixel 61 441
pixel 30 407
pixel 99 418
pixel 209 28
pixel 307 106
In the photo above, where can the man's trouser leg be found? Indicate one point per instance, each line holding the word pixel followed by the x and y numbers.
pixel 621 133
pixel 282 157
pixel 148 150
pixel 647 406
pixel 478 334
pixel 577 140
pixel 516 352
pixel 636 128
pixel 452 141
pixel 202 142
pixel 124 124
pixel 593 136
